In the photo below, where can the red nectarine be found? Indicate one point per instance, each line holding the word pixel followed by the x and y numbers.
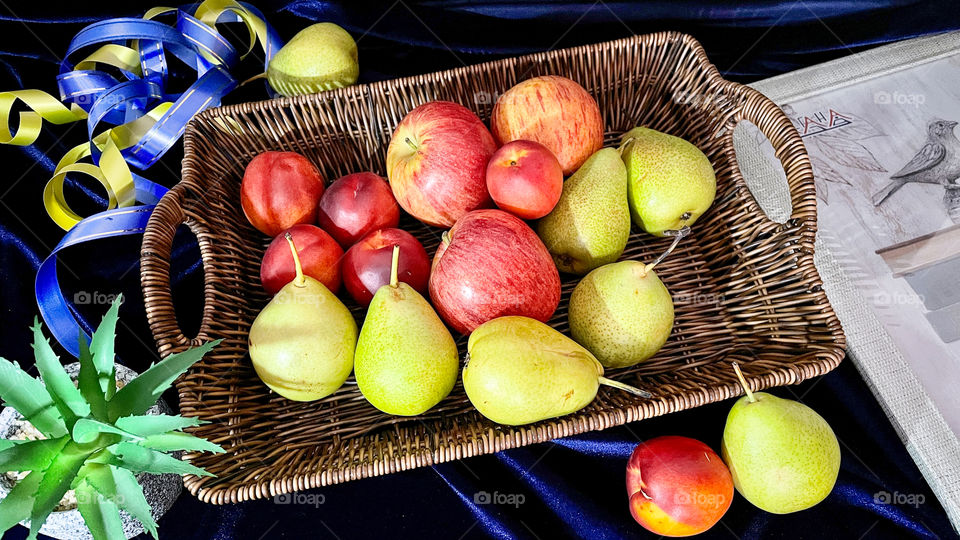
pixel 677 486
pixel 280 190
pixel 525 179
pixel 319 256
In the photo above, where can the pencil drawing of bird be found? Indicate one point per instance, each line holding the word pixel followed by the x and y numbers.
pixel 938 162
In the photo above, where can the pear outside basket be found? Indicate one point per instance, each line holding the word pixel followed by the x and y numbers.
pixel 745 287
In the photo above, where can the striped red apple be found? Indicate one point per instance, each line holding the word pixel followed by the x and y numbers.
pixel 553 111
pixel 437 162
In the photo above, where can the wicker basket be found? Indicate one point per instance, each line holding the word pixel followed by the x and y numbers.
pixel 746 287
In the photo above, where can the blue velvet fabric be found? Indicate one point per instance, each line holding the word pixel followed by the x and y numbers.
pixel 567 488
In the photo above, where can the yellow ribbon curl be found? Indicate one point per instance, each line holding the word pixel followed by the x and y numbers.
pixel 113 172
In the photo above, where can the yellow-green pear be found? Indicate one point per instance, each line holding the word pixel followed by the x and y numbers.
pixel 622 312
pixel 302 342
pixel 520 371
pixel 590 224
pixel 782 455
pixel 320 57
pixel 406 360
pixel 671 182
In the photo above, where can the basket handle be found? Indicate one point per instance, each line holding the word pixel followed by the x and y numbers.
pixel 789 148
pixel 155 275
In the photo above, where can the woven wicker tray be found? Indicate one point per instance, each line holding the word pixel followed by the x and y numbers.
pixel 745 287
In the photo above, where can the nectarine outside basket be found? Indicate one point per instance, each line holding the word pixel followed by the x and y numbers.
pixel 745 287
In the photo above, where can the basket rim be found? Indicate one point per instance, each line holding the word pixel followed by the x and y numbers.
pixel 827 354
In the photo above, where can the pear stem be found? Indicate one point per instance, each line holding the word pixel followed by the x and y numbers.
pixel 254 78
pixel 743 383
pixel 394 266
pixel 677 235
pixel 624 145
pixel 300 280
pixel 625 387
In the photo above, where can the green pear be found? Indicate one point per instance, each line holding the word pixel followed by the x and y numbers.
pixel 406 361
pixel 671 182
pixel 590 224
pixel 622 313
pixel 302 342
pixel 520 371
pixel 320 57
pixel 782 455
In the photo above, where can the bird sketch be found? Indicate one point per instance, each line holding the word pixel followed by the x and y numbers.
pixel 938 162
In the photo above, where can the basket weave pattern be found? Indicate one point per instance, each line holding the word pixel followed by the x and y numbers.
pixel 745 287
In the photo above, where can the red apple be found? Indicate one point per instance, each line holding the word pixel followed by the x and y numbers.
pixel 525 179
pixel 355 205
pixel 319 256
pixel 280 190
pixel 437 163
pixel 677 486
pixel 366 266
pixel 491 264
pixel 553 111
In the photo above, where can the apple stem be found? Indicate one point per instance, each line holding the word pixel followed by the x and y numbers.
pixel 677 236
pixel 625 387
pixel 394 266
pixel 254 78
pixel 743 382
pixel 300 280
pixel 444 237
pixel 409 142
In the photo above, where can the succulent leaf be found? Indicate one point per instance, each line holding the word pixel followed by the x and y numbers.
pixel 29 397
pixel 88 381
pixel 120 487
pixel 102 349
pixel 139 459
pixel 56 480
pixel 153 424
pixel 31 455
pixel 64 394
pixel 139 394
pixel 86 430
pixel 19 501
pixel 177 440
pixel 101 516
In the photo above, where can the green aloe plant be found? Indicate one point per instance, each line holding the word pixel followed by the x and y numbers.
pixel 97 436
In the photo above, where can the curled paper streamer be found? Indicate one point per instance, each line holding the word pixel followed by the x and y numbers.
pixel 132 120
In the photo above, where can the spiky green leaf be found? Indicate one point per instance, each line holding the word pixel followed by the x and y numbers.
pixel 86 430
pixel 101 345
pixel 57 478
pixel 152 424
pixel 176 440
pixel 139 459
pixel 16 506
pixel 120 487
pixel 140 393
pixel 88 381
pixel 64 394
pixel 31 455
pixel 101 515
pixel 29 397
